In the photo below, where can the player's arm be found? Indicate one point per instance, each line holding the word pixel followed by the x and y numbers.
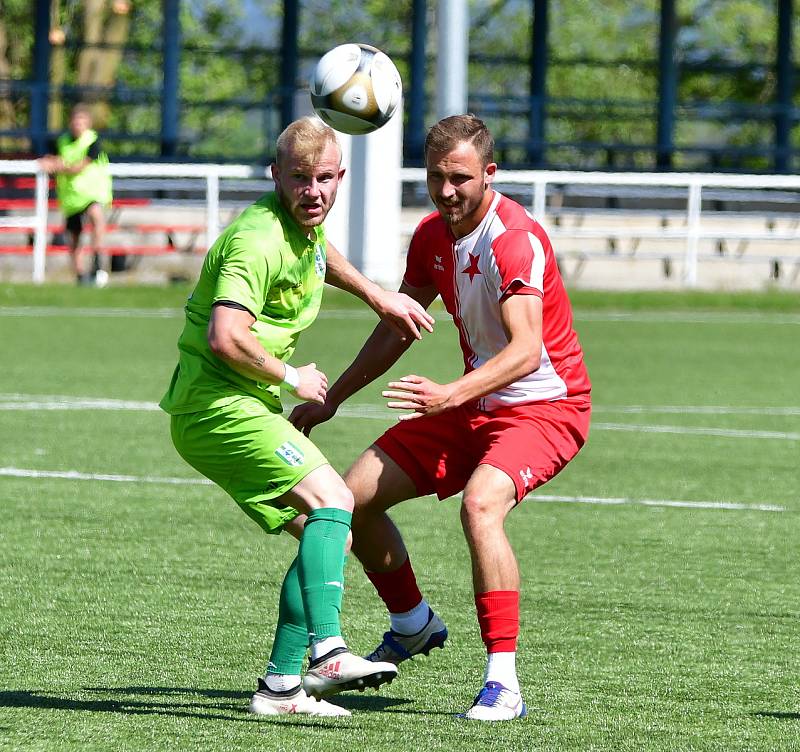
pixel 380 352
pixel 521 316
pixel 53 164
pixel 400 311
pixel 231 340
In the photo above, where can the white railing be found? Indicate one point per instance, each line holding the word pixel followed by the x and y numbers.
pixel 211 173
pixel 693 228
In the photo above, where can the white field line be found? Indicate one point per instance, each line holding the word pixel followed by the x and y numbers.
pixel 16 472
pixel 682 317
pixel 33 403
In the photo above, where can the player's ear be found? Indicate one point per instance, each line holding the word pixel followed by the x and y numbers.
pixel 275 172
pixel 341 173
pixel 489 172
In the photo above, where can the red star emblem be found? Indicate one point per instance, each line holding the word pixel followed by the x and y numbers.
pixel 472 269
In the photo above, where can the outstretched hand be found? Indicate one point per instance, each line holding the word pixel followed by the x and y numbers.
pixel 306 416
pixel 419 395
pixel 404 314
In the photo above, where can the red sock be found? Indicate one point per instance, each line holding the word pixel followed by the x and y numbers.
pixel 398 589
pixel 498 617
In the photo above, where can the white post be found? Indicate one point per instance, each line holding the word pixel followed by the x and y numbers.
pixel 375 196
pixel 693 205
pixel 337 221
pixel 452 21
pixel 212 208
pixel 40 229
pixel 539 199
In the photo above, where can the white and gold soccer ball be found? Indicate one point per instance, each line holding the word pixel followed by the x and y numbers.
pixel 355 88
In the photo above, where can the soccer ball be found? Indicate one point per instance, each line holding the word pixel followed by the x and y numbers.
pixel 355 88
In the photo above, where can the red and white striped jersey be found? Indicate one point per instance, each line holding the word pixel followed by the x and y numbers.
pixel 508 253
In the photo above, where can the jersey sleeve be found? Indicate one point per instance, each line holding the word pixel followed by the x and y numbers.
pixel 244 274
pixel 417 271
pixel 94 150
pixel 520 257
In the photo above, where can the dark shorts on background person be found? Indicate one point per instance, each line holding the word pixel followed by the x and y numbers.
pixel 530 443
pixel 75 222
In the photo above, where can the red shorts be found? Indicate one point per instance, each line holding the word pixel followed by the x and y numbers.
pixel 530 443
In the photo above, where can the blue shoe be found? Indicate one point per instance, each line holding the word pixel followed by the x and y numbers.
pixel 496 703
pixel 396 648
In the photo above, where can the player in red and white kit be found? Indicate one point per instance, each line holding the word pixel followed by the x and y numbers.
pixel 515 418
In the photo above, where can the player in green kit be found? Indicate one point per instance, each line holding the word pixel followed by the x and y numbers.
pixel 260 286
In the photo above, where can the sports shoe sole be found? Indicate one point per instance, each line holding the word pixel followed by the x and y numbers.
pixel 370 681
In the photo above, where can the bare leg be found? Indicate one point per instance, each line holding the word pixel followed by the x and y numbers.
pixel 377 484
pixel 488 498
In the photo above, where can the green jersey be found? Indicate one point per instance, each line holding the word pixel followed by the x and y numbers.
pixel 92 184
pixel 266 263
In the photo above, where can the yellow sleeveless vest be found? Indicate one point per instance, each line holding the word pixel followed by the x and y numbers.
pixel 91 185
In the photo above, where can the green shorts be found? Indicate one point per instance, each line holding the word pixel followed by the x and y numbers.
pixel 253 454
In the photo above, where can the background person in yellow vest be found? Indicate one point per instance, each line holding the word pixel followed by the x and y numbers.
pixel 83 188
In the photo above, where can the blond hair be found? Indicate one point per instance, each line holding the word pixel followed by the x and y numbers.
pixel 306 139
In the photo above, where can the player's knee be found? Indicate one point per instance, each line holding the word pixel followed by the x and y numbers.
pixel 478 511
pixel 337 496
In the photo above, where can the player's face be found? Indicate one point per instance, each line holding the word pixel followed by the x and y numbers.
pixel 307 188
pixel 458 184
pixel 79 122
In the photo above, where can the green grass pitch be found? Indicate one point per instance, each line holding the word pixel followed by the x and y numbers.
pixel 661 569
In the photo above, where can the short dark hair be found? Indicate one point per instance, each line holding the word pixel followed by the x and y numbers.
pixel 456 129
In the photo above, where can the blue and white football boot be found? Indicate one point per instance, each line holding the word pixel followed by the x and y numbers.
pixel 496 703
pixel 396 648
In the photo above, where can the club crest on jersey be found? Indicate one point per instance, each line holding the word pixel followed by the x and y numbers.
pixel 472 269
pixel 290 454
pixel 319 261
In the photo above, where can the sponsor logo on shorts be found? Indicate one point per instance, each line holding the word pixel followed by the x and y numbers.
pixel 290 454
pixel 527 477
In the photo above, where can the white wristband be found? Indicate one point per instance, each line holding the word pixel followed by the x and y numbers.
pixel 291 378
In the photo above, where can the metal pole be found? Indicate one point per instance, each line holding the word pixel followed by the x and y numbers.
pixel 289 59
pixel 452 58
pixel 693 205
pixel 40 88
pixel 667 86
pixel 212 208
pixel 784 68
pixel 170 109
pixel 416 97
pixel 538 83
pixel 40 230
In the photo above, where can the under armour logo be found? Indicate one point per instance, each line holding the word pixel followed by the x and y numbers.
pixel 527 476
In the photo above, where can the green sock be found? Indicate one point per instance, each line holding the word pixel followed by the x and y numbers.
pixel 321 570
pixel 291 634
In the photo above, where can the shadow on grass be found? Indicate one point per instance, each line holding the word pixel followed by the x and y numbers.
pixel 47 701
pixel 781 716
pixel 227 711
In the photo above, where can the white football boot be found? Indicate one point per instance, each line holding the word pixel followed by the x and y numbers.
pixel 340 670
pixel 266 702
pixel 496 703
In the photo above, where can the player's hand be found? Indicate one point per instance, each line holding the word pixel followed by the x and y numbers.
pixel 313 386
pixel 49 163
pixel 420 396
pixel 308 415
pixel 404 314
